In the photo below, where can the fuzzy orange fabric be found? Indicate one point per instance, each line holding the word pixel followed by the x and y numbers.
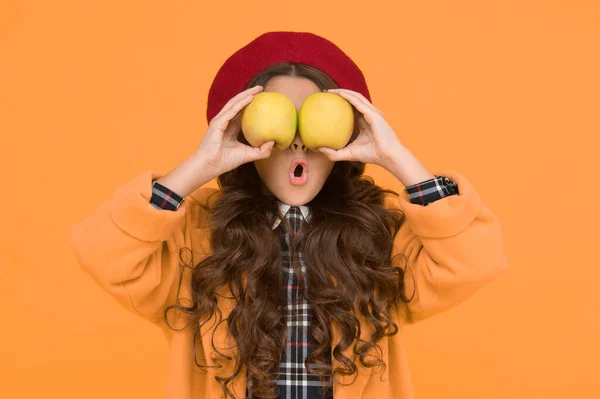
pixel 131 249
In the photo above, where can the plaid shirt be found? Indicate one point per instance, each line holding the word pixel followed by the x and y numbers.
pixel 294 380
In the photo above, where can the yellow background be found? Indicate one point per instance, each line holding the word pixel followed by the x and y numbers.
pixel 505 92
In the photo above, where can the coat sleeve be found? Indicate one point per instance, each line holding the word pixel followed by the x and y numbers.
pixel 131 249
pixel 448 250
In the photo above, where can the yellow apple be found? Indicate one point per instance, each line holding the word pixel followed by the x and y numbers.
pixel 325 120
pixel 270 116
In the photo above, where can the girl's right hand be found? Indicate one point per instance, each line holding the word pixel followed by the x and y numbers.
pixel 220 149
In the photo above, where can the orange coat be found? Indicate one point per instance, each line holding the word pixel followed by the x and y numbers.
pixel 131 249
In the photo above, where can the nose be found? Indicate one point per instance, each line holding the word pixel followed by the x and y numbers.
pixel 297 145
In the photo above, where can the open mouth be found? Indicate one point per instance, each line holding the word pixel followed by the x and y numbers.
pixel 299 172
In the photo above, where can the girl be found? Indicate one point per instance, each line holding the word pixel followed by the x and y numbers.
pixel 268 288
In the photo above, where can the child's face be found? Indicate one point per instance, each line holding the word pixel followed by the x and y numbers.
pixel 275 170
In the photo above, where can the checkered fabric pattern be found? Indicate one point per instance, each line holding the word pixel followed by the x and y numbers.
pixel 294 380
pixel 164 198
pixel 428 191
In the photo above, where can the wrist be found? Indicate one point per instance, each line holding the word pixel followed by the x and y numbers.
pixel 406 167
pixel 205 169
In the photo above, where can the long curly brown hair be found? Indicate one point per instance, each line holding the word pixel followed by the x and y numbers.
pixel 346 248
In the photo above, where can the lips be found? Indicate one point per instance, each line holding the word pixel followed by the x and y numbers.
pixel 298 172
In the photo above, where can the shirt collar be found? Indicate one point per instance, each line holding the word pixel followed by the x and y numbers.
pixel 285 207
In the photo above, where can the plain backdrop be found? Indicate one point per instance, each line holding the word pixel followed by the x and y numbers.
pixel 93 93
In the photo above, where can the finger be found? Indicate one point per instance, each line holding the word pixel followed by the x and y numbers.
pixel 356 93
pixel 343 154
pixel 264 151
pixel 239 96
pixel 367 111
pixel 222 120
pixel 359 95
pixel 233 128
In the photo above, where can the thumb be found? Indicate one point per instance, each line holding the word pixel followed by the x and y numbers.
pixel 332 154
pixel 264 151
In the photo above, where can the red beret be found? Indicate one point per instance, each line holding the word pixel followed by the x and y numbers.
pixel 274 47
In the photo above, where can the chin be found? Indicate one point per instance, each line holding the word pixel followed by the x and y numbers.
pixel 297 195
pixel 295 200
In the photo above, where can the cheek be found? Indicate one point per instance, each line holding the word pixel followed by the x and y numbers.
pixel 265 164
pixel 262 166
pixel 267 168
pixel 323 166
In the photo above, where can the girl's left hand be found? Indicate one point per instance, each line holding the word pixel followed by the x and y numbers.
pixel 376 142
